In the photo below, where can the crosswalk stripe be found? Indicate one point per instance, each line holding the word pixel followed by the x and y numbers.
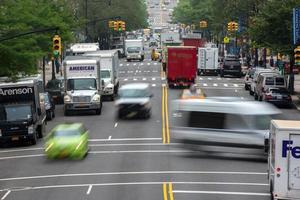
pixel 204 84
pixel 235 85
pixel 226 85
pixel 121 65
pixel 216 85
pixel 148 63
pixel 153 79
pixel 144 79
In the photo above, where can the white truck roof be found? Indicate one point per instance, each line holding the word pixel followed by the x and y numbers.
pixel 80 60
pixel 23 81
pixel 286 124
pixel 102 53
pixel 84 47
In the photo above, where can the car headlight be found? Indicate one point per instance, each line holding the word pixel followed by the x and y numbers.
pixel 30 129
pixel 146 104
pixel 67 98
pixel 109 87
pixel 96 98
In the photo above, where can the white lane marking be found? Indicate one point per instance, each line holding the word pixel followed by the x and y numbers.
pixel 155 63
pixel 225 84
pixel 109 138
pixel 127 64
pixel 134 64
pixel 209 78
pixel 200 78
pixel 144 79
pixel 132 173
pixel 130 71
pixel 140 151
pixel 235 85
pixel 24 156
pixel 89 189
pixel 236 90
pixel 133 144
pixel 215 84
pixel 6 194
pixel 153 85
pixel 17 150
pixel 228 79
pixel 124 139
pixel 219 78
pixel 116 124
pixel 242 97
pixel 135 79
pixel 221 192
pixel 223 88
pixel 125 79
pixel 121 65
pixel 148 63
pixel 154 71
pixel 142 63
pixel 153 79
pixel 204 84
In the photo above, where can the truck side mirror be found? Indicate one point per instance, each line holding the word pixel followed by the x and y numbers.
pixel 102 83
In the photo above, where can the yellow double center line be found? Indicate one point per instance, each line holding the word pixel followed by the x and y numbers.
pixel 165 116
pixel 168 191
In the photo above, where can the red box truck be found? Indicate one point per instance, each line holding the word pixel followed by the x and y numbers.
pixel 181 65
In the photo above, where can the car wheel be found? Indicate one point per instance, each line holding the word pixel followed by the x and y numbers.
pixel 34 139
pixel 53 113
pixel 255 96
pixel 246 87
pixel 250 92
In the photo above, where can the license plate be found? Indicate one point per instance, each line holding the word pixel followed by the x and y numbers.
pixel 15 138
pixel 279 97
pixel 81 105
pixel 231 67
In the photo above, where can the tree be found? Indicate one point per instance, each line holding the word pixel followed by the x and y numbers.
pixel 20 55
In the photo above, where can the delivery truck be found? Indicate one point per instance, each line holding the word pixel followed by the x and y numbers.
pixel 181 66
pixel 22 109
pixel 134 49
pixel 109 63
pixel 83 87
pixel 284 159
pixel 194 40
pixel 208 61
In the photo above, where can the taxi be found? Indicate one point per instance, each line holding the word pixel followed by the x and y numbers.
pixel 67 141
pixel 196 93
pixel 155 55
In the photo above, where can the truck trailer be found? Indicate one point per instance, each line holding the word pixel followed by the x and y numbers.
pixel 181 66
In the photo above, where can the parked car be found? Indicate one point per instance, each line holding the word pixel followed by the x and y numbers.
pixel 67 141
pixel 231 66
pixel 259 70
pixel 134 100
pixel 49 106
pixel 264 81
pixel 248 78
pixel 56 89
pixel 278 96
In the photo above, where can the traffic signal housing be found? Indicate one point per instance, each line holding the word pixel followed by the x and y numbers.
pixel 123 26
pixel 111 24
pixel 229 26
pixel 297 55
pixel 116 24
pixel 56 45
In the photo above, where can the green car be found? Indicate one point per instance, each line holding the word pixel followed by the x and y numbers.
pixel 67 141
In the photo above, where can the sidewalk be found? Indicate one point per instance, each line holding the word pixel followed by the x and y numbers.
pixel 296 96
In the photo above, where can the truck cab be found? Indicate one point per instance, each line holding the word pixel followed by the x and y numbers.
pixel 134 49
pixel 82 84
pixel 22 110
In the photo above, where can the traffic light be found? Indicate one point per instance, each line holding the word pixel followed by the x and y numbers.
pixel 120 26
pixel 297 55
pixel 235 26
pixel 193 26
pixel 56 45
pixel 229 26
pixel 116 26
pixel 203 24
pixel 111 24
pixel 123 26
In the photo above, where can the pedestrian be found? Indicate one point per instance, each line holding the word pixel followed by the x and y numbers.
pixel 271 61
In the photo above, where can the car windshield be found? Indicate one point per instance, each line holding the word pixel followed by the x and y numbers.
pixel 82 84
pixel 66 133
pixel 15 112
pixel 133 93
pixel 105 74
pixel 133 49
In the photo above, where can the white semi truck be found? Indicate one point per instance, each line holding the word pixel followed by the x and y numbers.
pixel 83 87
pixel 284 159
pixel 134 49
pixel 109 62
pixel 208 60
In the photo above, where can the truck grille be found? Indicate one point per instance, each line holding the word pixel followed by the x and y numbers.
pixel 82 99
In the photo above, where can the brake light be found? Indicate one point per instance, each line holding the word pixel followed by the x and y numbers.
pixel 268 96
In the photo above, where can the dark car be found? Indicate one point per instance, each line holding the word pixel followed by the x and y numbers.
pixel 56 89
pixel 231 66
pixel 49 106
pixel 278 96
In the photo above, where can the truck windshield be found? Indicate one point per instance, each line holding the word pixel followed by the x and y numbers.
pixel 15 112
pixel 82 84
pixel 133 49
pixel 105 73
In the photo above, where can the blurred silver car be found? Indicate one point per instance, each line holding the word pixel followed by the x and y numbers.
pixel 134 100
pixel 215 122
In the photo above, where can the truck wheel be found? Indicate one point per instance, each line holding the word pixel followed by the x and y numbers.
pixel 255 96
pixel 271 190
pixel 221 74
pixel 33 140
pixel 66 112
pixel 250 92
pixel 41 130
pixel 99 110
pixel 112 97
pixel 143 57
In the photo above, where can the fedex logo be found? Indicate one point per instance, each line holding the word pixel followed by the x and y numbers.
pixel 287 145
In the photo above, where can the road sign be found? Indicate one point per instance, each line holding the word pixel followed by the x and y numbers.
pixel 226 40
pixel 296 25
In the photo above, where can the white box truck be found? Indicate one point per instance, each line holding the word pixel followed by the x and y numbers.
pixel 82 84
pixel 109 63
pixel 134 49
pixel 284 159
pixel 208 60
pixel 81 48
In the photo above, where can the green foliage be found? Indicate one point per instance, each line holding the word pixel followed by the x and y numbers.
pixel 20 55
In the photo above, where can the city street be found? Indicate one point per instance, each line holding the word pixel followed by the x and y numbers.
pixel 137 155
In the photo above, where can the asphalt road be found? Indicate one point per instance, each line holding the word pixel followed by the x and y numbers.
pixel 137 159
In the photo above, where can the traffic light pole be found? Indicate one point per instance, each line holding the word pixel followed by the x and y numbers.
pixel 53 69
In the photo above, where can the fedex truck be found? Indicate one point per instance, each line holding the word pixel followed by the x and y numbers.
pixel 284 159
pixel 83 86
pixel 208 61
